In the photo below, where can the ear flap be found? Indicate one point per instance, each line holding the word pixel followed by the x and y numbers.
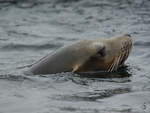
pixel 76 67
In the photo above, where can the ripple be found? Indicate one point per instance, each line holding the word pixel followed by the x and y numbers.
pixel 24 5
pixel 122 72
pixel 7 1
pixel 4 39
pixel 12 77
pixel 85 80
pixel 142 44
pixel 19 3
pixel 66 1
pixel 22 34
pixel 19 47
pixel 92 96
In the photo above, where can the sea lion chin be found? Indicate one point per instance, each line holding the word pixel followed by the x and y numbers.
pixel 85 56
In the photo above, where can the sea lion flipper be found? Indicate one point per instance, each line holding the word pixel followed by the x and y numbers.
pixel 75 67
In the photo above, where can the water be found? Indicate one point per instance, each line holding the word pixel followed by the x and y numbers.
pixel 31 29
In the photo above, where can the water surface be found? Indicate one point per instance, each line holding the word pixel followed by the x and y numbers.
pixel 31 29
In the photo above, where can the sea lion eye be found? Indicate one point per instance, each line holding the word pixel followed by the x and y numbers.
pixel 102 52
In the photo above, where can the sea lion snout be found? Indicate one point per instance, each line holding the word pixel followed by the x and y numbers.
pixel 117 51
pixel 123 51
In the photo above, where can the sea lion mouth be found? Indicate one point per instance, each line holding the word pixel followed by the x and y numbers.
pixel 121 56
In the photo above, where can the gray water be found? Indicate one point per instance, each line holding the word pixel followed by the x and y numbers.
pixel 30 30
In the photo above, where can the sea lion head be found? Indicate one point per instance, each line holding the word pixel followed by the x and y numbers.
pixel 107 54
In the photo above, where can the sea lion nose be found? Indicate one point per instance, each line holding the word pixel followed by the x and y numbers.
pixel 128 35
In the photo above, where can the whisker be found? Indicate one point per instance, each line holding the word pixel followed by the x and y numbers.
pixel 110 67
pixel 127 54
pixel 114 64
pixel 117 63
pixel 129 51
pixel 123 56
pixel 119 59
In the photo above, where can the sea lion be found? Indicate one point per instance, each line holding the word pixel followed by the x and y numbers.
pixel 86 56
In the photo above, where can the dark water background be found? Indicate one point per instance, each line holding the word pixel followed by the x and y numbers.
pixel 30 29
